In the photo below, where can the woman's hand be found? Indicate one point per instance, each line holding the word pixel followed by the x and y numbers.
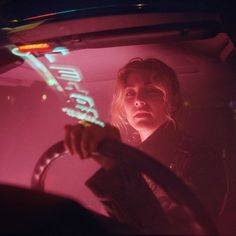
pixel 84 138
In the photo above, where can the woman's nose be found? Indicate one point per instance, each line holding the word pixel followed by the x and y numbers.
pixel 139 101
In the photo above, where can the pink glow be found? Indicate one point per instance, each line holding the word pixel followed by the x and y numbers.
pixel 29 126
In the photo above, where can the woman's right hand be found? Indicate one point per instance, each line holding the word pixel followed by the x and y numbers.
pixel 84 138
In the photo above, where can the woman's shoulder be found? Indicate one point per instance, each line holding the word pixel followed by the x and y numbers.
pixel 192 153
pixel 193 145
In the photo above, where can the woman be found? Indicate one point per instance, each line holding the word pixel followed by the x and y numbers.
pixel 145 101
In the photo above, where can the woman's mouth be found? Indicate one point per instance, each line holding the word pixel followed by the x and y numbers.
pixel 141 114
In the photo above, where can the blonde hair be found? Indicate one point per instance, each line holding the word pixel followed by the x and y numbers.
pixel 159 72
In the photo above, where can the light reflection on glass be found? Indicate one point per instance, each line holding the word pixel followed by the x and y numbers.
pixel 66 80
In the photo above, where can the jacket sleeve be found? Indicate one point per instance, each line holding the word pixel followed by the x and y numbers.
pixel 127 198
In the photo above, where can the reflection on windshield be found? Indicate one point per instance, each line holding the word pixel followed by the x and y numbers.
pixel 32 120
pixel 79 104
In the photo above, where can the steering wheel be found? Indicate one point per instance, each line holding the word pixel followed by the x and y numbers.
pixel 143 163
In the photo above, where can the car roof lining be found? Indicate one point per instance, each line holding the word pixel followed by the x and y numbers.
pixel 52 30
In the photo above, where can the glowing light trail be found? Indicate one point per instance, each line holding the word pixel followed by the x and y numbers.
pixel 39 67
pixel 84 105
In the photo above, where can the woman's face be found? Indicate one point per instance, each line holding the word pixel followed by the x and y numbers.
pixel 144 103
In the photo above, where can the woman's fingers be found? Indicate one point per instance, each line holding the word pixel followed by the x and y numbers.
pixel 67 138
pixel 87 140
pixel 72 139
pixel 76 139
pixel 84 138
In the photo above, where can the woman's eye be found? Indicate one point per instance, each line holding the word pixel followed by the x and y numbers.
pixel 129 93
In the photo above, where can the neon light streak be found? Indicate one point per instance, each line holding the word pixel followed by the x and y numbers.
pixel 85 104
pixel 81 99
pixel 73 85
pixel 64 51
pixel 34 47
pixel 66 73
pixel 40 68
pixel 49 14
pixel 40 16
pixel 82 116
pixel 88 110
pixel 51 58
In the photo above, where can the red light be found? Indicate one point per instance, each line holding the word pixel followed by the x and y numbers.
pixel 40 16
pixel 44 97
pixel 39 47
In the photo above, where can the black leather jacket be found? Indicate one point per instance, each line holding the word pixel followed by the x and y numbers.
pixel 128 197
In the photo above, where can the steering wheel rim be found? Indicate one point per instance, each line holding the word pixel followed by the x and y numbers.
pixel 142 162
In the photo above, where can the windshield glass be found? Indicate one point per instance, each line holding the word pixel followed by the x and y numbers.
pixel 61 86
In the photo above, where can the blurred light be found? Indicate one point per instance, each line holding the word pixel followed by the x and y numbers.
pixel 26 27
pixel 84 109
pixel 232 104
pixel 186 104
pixel 44 97
pixel 39 47
pixel 40 16
pixel 64 51
pixel 14 21
pixel 82 116
pixel 140 6
pixel 51 57
pixel 66 73
pixel 40 68
pixel 6 28
pixel 49 14
pixel 11 99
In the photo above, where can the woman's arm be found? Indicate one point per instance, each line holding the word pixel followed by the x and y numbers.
pixel 127 198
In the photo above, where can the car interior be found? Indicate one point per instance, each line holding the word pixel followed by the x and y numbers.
pixel 56 70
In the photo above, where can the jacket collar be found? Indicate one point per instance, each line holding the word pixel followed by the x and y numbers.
pixel 160 145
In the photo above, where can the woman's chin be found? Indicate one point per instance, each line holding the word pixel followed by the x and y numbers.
pixel 144 124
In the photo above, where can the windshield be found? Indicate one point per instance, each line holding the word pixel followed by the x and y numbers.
pixel 61 86
pixel 46 92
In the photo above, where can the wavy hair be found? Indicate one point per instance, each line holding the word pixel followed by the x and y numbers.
pixel 158 72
